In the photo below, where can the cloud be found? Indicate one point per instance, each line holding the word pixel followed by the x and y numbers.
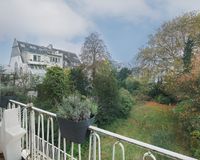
pixel 177 7
pixel 128 10
pixel 40 18
pixel 61 21
pixel 134 10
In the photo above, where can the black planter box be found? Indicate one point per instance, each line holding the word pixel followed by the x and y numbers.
pixel 74 131
pixel 5 99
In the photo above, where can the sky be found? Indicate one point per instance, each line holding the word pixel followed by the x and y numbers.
pixel 124 25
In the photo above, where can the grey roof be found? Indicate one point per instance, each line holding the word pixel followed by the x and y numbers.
pixel 67 56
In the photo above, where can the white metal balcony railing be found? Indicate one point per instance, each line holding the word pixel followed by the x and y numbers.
pixel 43 140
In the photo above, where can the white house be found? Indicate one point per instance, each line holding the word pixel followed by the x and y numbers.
pixel 34 59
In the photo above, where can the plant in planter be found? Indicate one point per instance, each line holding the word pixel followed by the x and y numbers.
pixel 75 114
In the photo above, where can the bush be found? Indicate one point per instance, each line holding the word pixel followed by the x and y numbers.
pixel 79 80
pixel 183 106
pixel 189 119
pixel 76 108
pixel 154 90
pixel 158 93
pixel 126 102
pixel 195 143
pixel 162 99
pixel 55 85
pixel 7 90
pixel 107 95
pixel 132 84
pixel 45 105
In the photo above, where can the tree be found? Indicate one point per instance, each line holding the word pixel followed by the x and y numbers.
pixel 187 55
pixel 24 82
pixel 55 85
pixel 79 80
pixel 123 73
pixel 107 94
pixel 164 51
pixel 93 51
pixel 2 70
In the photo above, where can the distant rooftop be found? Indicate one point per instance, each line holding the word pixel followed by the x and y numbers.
pixel 24 46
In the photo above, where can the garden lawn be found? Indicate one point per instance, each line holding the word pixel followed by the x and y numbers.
pixel 151 123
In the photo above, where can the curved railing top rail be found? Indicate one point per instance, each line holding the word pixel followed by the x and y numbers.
pixel 162 151
pixel 34 108
pixel 159 150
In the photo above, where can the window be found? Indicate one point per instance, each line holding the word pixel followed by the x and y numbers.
pixel 22 45
pixel 54 59
pixel 39 58
pixel 32 47
pixel 34 58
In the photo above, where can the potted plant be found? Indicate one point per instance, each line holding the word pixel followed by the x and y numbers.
pixel 75 114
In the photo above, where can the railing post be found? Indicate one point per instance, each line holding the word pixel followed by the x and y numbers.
pixel 122 149
pixel 94 138
pixel 32 132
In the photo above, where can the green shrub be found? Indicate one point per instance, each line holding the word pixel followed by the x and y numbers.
pixel 158 93
pixel 126 102
pixel 79 80
pixel 183 106
pixel 45 105
pixel 76 108
pixel 7 90
pixel 189 119
pixel 162 99
pixel 107 94
pixel 154 90
pixel 195 143
pixel 131 84
pixel 55 86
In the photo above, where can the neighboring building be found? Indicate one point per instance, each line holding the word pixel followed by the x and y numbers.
pixel 34 59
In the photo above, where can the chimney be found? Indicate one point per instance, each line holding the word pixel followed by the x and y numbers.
pixel 50 46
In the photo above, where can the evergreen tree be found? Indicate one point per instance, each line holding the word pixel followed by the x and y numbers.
pixel 106 91
pixel 187 56
pixel 79 80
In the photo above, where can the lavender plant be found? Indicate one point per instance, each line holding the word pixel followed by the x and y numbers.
pixel 76 108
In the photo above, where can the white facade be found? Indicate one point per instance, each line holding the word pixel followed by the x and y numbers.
pixel 33 59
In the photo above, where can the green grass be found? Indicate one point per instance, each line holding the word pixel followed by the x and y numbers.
pixel 150 123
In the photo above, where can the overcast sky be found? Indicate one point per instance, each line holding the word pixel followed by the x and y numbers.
pixel 124 25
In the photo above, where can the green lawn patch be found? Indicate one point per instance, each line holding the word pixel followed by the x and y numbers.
pixel 150 123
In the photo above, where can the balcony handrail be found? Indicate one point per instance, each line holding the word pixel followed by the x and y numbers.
pixel 18 103
pixel 141 144
pixel 34 108
pixel 119 137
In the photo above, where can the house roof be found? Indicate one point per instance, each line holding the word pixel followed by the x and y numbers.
pixel 67 56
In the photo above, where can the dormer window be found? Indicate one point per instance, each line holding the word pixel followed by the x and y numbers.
pixel 22 45
pixel 32 47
